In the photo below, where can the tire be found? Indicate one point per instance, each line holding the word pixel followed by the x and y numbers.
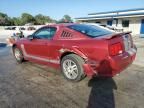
pixel 18 55
pixel 73 72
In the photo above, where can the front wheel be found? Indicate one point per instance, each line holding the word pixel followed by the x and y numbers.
pixel 72 67
pixel 18 55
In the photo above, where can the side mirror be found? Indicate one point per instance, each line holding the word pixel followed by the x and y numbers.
pixel 30 37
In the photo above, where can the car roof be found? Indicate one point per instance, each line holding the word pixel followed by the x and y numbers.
pixel 60 25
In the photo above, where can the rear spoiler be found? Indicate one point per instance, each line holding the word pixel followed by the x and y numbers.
pixel 107 37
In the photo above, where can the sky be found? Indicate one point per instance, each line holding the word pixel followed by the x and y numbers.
pixel 57 8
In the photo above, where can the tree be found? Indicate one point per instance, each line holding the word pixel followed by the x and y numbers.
pixel 49 20
pixel 66 19
pixel 4 19
pixel 41 19
pixel 16 21
pixel 27 18
pixel 24 19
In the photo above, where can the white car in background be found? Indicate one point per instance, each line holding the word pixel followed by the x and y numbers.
pixel 116 29
pixel 111 28
pixel 100 26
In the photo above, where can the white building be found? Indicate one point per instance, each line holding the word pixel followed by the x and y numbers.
pixel 128 20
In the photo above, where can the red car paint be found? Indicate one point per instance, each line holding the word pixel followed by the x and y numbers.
pixel 95 51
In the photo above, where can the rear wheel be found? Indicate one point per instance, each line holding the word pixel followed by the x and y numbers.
pixel 72 67
pixel 18 55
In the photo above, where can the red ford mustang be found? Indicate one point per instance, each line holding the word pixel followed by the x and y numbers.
pixel 78 50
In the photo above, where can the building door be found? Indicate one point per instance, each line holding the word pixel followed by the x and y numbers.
pixel 109 22
pixel 142 27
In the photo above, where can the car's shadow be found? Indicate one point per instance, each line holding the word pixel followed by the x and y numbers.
pixel 102 93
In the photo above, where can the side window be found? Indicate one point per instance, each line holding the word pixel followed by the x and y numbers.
pixel 45 33
pixel 125 23
pixel 42 33
pixel 52 31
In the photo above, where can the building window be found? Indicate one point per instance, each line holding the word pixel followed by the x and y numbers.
pixel 109 22
pixel 125 23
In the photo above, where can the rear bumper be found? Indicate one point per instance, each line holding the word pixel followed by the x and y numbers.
pixel 112 65
pixel 121 62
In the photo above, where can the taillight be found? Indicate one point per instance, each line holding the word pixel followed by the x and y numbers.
pixel 115 49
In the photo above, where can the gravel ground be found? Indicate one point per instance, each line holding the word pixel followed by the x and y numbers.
pixel 139 42
pixel 30 85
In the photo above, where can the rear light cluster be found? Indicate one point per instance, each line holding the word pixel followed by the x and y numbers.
pixel 115 49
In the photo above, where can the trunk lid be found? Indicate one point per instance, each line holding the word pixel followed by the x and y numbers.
pixel 125 39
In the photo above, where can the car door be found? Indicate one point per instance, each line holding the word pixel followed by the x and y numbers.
pixel 38 47
pixel 53 46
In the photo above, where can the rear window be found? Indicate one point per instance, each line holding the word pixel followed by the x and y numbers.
pixel 90 30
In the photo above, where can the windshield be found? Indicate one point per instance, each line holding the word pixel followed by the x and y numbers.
pixel 90 30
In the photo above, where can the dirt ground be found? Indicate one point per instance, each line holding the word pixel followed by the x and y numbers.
pixel 30 85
